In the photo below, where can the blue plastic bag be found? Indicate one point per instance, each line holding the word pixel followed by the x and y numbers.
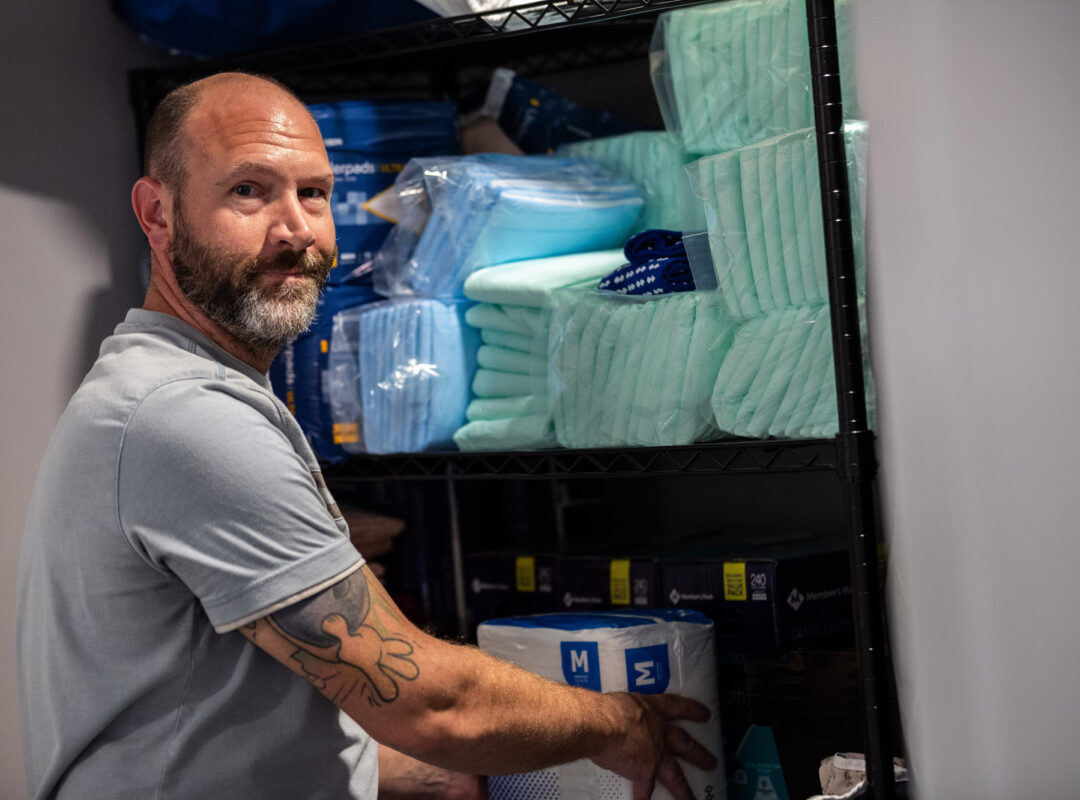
pixel 212 28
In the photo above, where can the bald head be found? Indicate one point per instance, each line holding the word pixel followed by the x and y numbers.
pixel 167 145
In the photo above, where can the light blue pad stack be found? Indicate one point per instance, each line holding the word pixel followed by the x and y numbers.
pixel 492 208
pixel 628 370
pixel 652 161
pixel 733 73
pixel 511 408
pixel 778 379
pixel 765 221
pixel 408 364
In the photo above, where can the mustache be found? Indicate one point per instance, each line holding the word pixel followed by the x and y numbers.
pixel 315 265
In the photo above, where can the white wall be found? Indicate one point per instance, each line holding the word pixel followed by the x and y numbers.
pixel 70 252
pixel 974 109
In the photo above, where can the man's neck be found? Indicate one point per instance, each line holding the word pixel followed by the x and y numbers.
pixel 166 299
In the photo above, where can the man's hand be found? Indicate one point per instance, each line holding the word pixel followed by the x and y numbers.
pixel 650 743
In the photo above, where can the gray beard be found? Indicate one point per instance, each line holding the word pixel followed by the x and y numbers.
pixel 225 288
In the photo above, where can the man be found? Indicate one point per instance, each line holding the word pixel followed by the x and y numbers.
pixel 183 555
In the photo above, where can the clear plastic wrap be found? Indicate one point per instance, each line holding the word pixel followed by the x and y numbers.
pixel 653 161
pixel 733 73
pixel 634 371
pixel 491 208
pixel 763 214
pixel 400 371
pixel 777 379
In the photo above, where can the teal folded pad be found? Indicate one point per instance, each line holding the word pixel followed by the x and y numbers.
pixel 503 360
pixel 490 408
pixel 529 283
pixel 517 433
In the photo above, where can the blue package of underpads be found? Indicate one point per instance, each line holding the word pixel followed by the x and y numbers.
pixel 298 374
pixel 368 144
pixel 539 119
pixel 211 28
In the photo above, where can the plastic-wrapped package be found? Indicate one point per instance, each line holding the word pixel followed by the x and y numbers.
pixel 212 28
pixel 777 379
pixel 653 161
pixel 368 143
pixel 299 372
pixel 511 410
pixel 627 370
pixel 650 651
pixel 400 372
pixel 763 215
pixel 467 212
pixel 539 119
pixel 733 73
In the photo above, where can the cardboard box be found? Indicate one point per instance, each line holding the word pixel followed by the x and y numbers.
pixel 505 584
pixel 764 605
pixel 589 583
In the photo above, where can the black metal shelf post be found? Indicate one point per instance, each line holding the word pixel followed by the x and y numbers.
pixel 855 441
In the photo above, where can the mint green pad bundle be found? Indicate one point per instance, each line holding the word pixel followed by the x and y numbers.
pixel 765 229
pixel 631 371
pixel 511 408
pixel 733 73
pixel 653 161
pixel 778 380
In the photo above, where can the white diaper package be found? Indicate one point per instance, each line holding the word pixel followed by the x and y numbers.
pixel 651 652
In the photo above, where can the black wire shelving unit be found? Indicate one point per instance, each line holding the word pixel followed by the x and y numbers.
pixel 448 57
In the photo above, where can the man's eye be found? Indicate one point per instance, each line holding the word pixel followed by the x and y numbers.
pixel 312 192
pixel 244 190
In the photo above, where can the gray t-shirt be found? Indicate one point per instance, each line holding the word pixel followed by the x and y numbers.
pixel 177 501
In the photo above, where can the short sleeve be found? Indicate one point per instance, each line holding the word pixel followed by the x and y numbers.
pixel 212 490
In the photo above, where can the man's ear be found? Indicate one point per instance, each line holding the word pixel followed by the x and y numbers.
pixel 152 204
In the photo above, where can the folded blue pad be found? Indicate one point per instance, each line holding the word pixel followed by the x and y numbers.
pixel 408 364
pixel 491 208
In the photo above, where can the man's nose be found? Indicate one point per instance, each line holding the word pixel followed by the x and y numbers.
pixel 291 225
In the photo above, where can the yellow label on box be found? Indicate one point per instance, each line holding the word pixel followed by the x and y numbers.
pixel 734 580
pixel 346 433
pixel 620 582
pixel 525 573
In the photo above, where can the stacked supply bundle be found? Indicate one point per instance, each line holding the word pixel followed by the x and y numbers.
pixel 730 74
pixel 400 372
pixel 475 211
pixel 367 142
pixel 765 227
pixel 652 161
pixel 650 651
pixel 767 243
pixel 778 378
pixel 511 406
pixel 633 370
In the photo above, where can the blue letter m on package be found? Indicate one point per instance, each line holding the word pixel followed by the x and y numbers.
pixel 647 669
pixel 581 664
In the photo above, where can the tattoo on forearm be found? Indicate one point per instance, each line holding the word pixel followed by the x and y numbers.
pixel 347 649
